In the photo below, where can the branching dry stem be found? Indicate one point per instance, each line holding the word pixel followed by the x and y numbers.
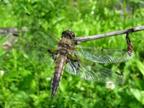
pixel 108 34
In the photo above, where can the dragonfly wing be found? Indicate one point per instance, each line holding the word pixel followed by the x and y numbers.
pixel 100 55
pixel 84 73
pixel 94 72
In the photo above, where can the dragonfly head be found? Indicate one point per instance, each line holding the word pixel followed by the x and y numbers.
pixel 68 34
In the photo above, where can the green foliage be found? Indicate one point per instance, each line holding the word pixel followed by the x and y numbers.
pixel 26 70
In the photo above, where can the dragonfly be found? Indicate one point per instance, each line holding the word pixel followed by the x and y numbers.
pixel 84 61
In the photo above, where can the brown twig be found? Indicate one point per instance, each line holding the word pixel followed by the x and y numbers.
pixel 12 31
pixel 12 34
pixel 114 33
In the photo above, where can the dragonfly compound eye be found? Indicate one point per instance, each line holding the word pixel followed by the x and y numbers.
pixel 68 34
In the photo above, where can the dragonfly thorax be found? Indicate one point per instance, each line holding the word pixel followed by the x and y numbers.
pixel 67 43
pixel 65 46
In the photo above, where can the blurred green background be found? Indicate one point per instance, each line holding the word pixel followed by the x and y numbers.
pixel 26 70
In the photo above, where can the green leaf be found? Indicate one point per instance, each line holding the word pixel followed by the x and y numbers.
pixel 1 52
pixel 140 67
pixel 138 94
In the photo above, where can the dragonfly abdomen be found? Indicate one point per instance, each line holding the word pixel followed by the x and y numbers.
pixel 60 61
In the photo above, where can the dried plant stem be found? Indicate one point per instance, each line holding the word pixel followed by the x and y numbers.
pixel 12 31
pixel 108 34
pixel 12 35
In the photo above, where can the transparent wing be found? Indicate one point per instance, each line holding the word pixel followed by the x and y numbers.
pixel 92 71
pixel 101 55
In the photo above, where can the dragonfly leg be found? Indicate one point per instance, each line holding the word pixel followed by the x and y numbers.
pixel 129 44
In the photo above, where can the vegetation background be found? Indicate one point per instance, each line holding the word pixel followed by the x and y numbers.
pixel 26 70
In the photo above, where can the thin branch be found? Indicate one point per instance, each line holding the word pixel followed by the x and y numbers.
pixel 12 34
pixel 114 33
pixel 11 31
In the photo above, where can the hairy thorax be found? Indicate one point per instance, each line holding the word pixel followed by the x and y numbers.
pixel 66 46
